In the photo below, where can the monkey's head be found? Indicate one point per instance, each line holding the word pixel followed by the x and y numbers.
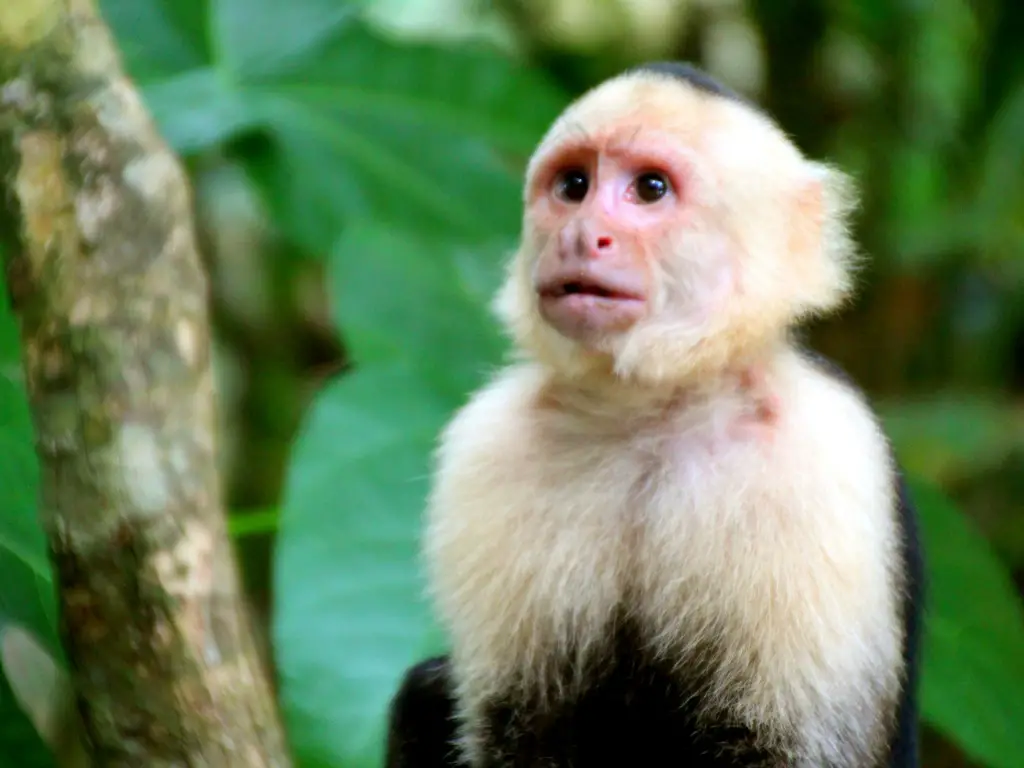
pixel 669 230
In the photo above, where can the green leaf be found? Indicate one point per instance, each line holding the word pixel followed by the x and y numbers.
pixel 347 570
pixel 349 616
pixel 159 38
pixel 973 673
pixel 17 734
pixel 27 595
pixel 257 37
pixel 418 136
pixel 354 125
pixel 26 592
pixel 41 686
pixel 198 109
pixel 398 295
pixel 24 567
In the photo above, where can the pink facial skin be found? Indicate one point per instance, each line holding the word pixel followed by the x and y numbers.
pixel 601 206
pixel 624 237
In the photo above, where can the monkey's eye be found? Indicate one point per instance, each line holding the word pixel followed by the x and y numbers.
pixel 572 185
pixel 651 187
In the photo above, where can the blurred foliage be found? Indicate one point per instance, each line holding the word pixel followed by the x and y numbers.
pixel 26 595
pixel 356 168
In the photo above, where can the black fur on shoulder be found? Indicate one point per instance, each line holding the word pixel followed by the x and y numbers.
pixel 904 751
pixel 421 726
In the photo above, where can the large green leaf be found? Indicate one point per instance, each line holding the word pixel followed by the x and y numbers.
pixel 27 595
pixel 159 38
pixel 349 615
pixel 26 592
pixel 973 674
pixel 24 568
pixel 402 296
pixel 346 567
pixel 18 736
pixel 356 125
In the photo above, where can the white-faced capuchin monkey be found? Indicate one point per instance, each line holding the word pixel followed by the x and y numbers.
pixel 667 534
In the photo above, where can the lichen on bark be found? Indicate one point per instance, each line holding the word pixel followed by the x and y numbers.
pixel 109 290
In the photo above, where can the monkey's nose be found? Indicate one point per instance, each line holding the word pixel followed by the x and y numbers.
pixel 584 243
pixel 597 246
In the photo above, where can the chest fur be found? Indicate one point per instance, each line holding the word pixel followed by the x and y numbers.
pixel 779 555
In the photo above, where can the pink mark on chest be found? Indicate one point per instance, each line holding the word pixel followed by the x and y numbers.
pixel 759 418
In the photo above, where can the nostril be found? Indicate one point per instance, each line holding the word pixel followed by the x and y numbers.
pixel 604 242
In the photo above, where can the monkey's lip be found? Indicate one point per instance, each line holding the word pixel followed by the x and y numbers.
pixel 581 306
pixel 586 286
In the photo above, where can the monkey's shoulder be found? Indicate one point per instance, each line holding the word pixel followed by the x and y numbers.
pixel 512 451
pixel 822 455
pixel 799 432
pixel 496 416
pixel 824 414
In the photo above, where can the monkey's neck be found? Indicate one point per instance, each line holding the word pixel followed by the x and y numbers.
pixel 607 396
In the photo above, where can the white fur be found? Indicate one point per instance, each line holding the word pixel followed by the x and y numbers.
pixel 543 521
pixel 634 474
pixel 780 219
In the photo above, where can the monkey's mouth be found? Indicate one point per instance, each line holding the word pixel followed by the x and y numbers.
pixel 570 289
pixel 582 307
pixel 583 287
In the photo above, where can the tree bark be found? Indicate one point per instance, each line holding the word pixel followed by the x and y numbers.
pixel 111 297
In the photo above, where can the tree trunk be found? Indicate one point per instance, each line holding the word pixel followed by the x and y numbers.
pixel 111 297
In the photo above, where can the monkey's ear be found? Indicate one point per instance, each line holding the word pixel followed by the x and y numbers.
pixel 820 239
pixel 808 220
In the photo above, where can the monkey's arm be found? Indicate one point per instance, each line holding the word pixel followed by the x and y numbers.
pixel 421 725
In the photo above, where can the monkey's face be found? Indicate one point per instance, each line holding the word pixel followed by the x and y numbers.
pixel 599 211
pixel 664 231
